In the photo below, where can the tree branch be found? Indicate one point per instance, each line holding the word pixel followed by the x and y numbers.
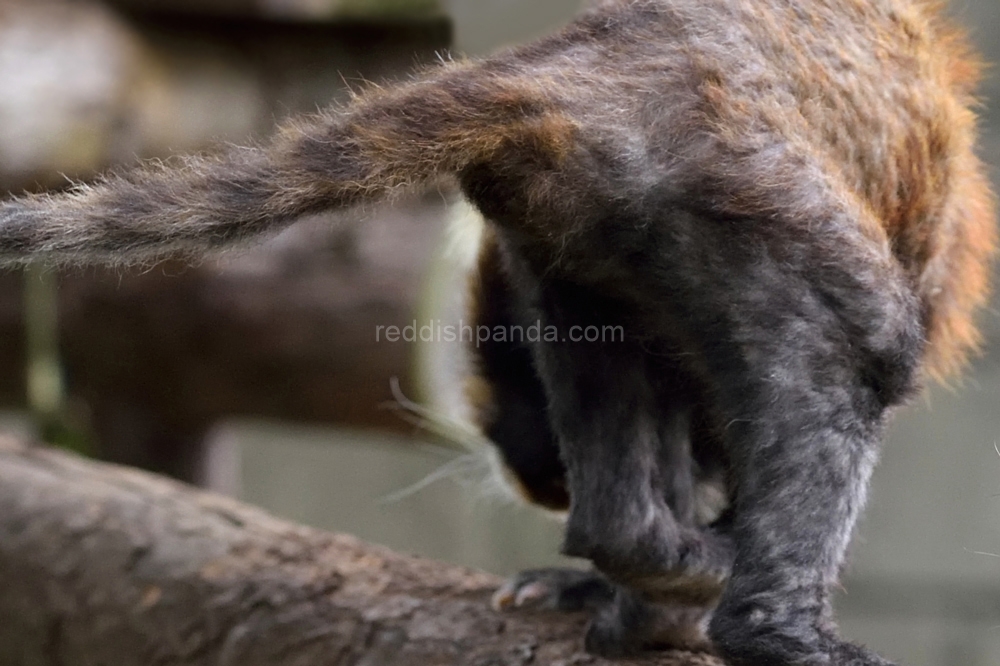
pixel 108 565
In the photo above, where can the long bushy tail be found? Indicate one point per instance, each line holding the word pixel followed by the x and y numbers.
pixel 386 140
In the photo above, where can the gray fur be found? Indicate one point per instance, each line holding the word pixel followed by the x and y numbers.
pixel 779 202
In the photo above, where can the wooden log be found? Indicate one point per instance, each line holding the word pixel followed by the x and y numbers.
pixel 102 564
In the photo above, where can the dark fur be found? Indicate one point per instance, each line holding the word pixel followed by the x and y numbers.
pixel 779 202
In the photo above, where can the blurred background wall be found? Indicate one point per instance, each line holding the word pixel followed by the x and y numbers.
pixel 257 373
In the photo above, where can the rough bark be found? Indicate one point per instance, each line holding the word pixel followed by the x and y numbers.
pixel 108 565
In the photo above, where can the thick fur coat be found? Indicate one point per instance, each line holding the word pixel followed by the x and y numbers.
pixel 778 201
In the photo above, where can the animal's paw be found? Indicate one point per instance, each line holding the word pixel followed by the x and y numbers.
pixel 848 654
pixel 554 589
pixel 631 625
pixel 743 640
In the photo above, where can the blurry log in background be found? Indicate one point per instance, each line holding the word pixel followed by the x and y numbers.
pixel 286 330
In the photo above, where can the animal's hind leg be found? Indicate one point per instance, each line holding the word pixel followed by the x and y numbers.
pixel 513 412
pixel 615 435
pixel 805 342
pixel 511 409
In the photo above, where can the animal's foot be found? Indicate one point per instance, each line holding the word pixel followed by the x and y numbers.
pixel 631 625
pixel 670 564
pixel 554 589
pixel 750 640
pixel 624 623
pixel 848 654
